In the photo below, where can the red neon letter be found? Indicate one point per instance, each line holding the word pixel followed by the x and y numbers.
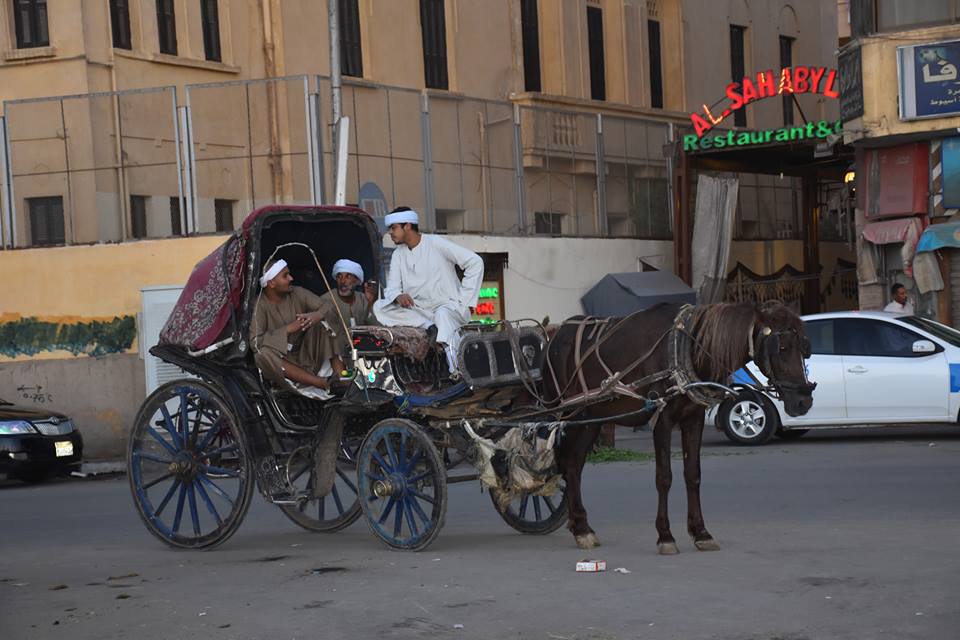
pixel 800 75
pixel 749 91
pixel 785 81
pixel 815 75
pixel 828 85
pixel 736 100
pixel 765 80
pixel 700 125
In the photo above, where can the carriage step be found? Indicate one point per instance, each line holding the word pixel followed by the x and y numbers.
pixel 287 499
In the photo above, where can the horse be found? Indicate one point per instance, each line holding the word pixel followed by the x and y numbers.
pixel 662 365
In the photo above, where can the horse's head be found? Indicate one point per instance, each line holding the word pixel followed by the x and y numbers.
pixel 779 350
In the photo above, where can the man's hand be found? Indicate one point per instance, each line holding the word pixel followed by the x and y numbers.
pixel 404 301
pixel 304 321
pixel 370 291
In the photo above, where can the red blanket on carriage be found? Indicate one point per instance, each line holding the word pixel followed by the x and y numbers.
pixel 210 296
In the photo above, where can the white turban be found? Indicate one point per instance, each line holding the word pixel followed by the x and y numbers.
pixel 401 217
pixel 273 272
pixel 348 266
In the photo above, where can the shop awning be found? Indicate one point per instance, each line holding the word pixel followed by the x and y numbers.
pixel 938 236
pixel 891 231
pixel 620 294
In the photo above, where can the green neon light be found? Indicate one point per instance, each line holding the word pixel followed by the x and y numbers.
pixel 812 130
pixel 490 292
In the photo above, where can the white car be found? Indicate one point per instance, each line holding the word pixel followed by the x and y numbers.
pixel 871 368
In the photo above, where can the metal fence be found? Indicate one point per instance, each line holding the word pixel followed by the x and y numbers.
pixel 159 163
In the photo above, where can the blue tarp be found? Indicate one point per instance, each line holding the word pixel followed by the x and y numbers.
pixel 937 236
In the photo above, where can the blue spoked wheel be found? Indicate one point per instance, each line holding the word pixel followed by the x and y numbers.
pixel 188 466
pixel 403 485
pixel 341 506
pixel 532 514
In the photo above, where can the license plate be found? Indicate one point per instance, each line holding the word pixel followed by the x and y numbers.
pixel 63 449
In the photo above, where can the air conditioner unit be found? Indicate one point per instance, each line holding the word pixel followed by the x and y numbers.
pixel 157 303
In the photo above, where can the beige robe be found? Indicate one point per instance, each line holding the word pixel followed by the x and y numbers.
pixel 272 345
pixel 357 314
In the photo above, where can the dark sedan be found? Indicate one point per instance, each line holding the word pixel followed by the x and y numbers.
pixel 35 444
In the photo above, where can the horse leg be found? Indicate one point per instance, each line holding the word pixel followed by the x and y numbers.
pixel 691 432
pixel 666 545
pixel 571 457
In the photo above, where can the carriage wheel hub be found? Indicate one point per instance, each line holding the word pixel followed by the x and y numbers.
pixel 390 486
pixel 183 466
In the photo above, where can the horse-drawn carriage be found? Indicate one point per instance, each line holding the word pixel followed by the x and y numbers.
pixel 402 428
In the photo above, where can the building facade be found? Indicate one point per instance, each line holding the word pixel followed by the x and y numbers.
pixel 901 111
pixel 532 131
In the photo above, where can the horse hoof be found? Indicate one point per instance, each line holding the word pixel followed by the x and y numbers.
pixel 707 545
pixel 587 541
pixel 667 548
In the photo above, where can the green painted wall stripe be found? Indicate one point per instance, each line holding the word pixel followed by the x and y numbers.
pixel 30 336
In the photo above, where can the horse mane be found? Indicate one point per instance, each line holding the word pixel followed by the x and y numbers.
pixel 722 335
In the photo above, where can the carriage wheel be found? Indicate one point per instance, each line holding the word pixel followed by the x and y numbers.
pixel 403 485
pixel 189 470
pixel 338 509
pixel 532 514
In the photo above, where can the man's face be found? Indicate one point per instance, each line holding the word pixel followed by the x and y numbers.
pixel 282 282
pixel 345 284
pixel 900 295
pixel 398 232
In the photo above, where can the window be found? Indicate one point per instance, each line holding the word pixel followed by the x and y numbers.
pixel 786 60
pixel 433 29
pixel 167 27
pixel 598 84
pixel 351 53
pixel 820 333
pixel 120 23
pixel 897 14
pixel 210 20
pixel 530 29
pixel 656 73
pixel 223 211
pixel 548 224
pixel 649 203
pixel 30 20
pixel 138 216
pixel 942 331
pixel 46 220
pixel 738 67
pixel 176 227
pixel 863 337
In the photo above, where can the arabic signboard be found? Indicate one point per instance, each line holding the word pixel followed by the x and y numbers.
pixel 929 83
pixel 851 84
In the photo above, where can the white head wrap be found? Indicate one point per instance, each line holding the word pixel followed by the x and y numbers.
pixel 348 266
pixel 273 272
pixel 401 217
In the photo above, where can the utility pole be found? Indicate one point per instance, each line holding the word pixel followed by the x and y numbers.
pixel 333 22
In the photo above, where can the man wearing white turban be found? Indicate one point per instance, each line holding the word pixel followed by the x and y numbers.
pixel 355 310
pixel 291 344
pixel 423 289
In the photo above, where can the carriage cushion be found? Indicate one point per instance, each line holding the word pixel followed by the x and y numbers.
pixel 408 341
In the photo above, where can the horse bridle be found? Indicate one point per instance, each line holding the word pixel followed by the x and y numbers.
pixel 767 343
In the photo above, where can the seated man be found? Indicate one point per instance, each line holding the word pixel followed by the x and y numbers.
pixel 288 337
pixel 423 289
pixel 355 310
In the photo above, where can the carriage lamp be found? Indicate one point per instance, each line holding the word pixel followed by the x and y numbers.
pixel 849 177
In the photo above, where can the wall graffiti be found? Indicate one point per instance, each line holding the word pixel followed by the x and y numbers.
pixel 30 336
pixel 35 394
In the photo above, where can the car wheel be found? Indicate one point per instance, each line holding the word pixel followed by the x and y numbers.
pixel 790 434
pixel 748 419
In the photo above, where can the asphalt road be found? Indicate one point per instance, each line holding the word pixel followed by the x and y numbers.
pixel 831 536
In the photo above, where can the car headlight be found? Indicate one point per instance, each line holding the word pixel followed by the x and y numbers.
pixel 13 427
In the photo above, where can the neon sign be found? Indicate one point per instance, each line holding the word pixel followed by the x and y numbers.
pixel 767 84
pixel 819 130
pixel 489 292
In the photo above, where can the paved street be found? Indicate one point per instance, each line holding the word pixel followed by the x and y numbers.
pixel 831 536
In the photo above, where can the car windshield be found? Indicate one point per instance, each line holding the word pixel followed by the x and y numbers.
pixel 942 331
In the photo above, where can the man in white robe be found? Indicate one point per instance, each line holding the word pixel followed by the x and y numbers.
pixel 423 289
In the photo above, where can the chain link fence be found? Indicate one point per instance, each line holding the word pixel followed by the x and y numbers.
pixel 151 163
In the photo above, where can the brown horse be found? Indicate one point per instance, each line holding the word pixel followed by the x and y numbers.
pixel 662 352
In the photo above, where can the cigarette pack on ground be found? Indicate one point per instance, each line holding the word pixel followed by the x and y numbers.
pixel 591 566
